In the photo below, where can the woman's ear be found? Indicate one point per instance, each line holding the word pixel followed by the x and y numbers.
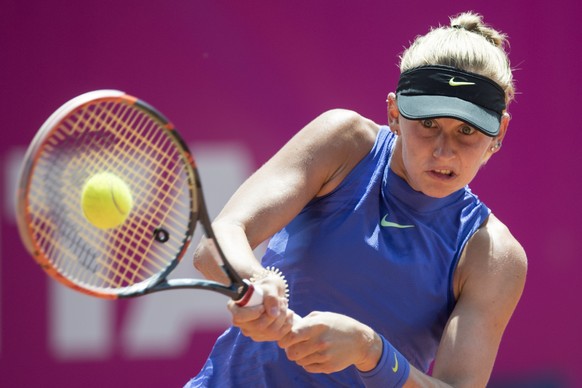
pixel 392 107
pixel 498 140
pixel 505 119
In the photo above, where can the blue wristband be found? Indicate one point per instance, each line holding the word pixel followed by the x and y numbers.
pixel 392 369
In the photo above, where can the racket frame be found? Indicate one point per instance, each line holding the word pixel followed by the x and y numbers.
pixel 238 290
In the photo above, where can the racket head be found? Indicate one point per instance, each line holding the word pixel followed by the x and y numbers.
pixel 107 131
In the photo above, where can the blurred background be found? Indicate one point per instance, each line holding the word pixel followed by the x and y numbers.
pixel 239 78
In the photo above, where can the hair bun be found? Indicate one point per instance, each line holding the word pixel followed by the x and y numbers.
pixel 473 22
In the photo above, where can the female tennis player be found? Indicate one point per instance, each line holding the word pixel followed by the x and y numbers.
pixel 392 262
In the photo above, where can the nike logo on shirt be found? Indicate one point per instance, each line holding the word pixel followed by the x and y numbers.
pixel 395 367
pixel 385 223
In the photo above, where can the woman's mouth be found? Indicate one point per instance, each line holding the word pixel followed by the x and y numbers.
pixel 442 174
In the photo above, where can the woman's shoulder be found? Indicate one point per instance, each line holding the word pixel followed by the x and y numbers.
pixel 349 136
pixel 348 123
pixel 494 258
pixel 501 243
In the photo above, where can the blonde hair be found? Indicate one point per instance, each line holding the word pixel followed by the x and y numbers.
pixel 467 44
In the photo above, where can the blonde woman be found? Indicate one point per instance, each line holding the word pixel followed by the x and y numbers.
pixel 391 260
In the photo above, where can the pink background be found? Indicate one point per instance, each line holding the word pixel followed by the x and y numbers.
pixel 253 73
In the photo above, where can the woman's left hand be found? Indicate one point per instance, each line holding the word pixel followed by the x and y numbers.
pixel 325 342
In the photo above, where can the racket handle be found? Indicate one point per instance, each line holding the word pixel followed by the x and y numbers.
pixel 254 297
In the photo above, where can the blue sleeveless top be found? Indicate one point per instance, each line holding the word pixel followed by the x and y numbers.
pixel 373 249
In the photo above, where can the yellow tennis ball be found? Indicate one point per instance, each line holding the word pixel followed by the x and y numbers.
pixel 106 200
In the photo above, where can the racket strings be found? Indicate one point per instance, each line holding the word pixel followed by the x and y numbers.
pixel 68 140
pixel 69 249
pixel 54 225
pixel 122 269
pixel 117 263
pixel 163 178
pixel 147 159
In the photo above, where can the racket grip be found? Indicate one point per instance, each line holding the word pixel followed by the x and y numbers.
pixel 254 297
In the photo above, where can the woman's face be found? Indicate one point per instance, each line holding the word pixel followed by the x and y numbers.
pixel 439 156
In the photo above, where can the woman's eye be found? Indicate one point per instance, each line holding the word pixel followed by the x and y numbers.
pixel 466 130
pixel 428 123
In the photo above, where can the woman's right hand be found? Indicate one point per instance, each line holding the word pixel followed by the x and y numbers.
pixel 269 321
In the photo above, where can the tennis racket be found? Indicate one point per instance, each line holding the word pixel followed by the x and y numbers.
pixel 110 131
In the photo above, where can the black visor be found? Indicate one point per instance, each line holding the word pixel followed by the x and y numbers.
pixel 443 91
